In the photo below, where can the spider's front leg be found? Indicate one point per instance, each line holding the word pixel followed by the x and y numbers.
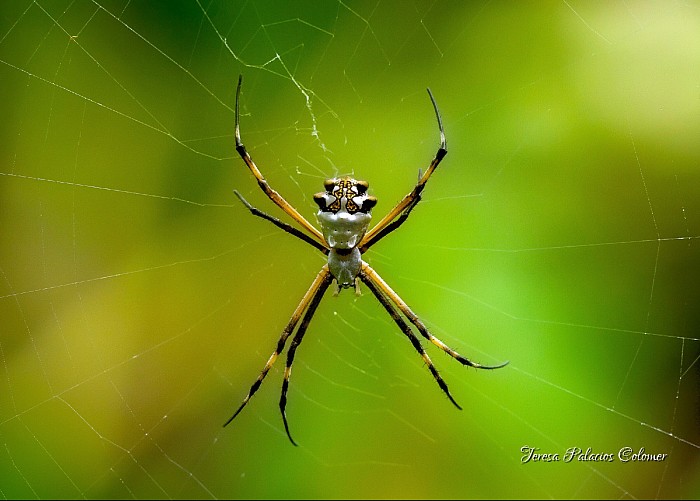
pixel 284 226
pixel 403 209
pixel 262 182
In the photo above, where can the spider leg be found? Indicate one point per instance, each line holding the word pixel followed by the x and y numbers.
pixel 296 341
pixel 409 201
pixel 320 282
pixel 262 182
pixel 391 227
pixel 373 277
pixel 286 227
pixel 406 329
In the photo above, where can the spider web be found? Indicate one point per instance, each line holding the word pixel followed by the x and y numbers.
pixel 139 299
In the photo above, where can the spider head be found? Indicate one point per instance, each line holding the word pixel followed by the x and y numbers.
pixel 344 211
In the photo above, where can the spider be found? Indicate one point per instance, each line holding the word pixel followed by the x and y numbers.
pixel 344 215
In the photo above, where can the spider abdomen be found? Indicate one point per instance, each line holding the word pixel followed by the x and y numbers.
pixel 344 265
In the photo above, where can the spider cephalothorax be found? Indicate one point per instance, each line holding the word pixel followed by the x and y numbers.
pixel 344 214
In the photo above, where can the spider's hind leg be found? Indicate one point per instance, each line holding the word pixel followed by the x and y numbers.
pixel 377 281
pixel 406 329
pixel 319 285
pixel 315 300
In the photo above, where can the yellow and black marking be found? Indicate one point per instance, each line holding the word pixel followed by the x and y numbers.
pixel 348 190
pixel 343 189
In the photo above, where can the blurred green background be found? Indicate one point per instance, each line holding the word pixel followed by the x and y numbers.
pixel 139 300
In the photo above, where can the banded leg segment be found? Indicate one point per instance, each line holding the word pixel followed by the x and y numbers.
pixel 409 201
pixel 320 282
pixel 282 225
pixel 392 226
pixel 296 341
pixel 373 276
pixel 406 329
pixel 262 182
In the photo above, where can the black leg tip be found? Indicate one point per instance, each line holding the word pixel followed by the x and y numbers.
pixel 491 367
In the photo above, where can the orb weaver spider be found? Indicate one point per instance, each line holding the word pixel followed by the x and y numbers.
pixel 344 215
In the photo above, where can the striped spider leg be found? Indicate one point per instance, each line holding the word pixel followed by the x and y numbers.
pixel 344 215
